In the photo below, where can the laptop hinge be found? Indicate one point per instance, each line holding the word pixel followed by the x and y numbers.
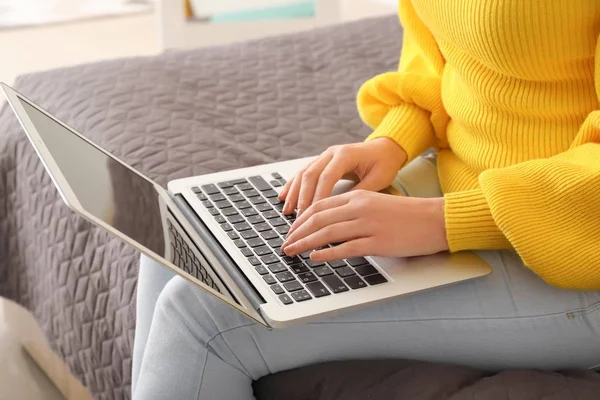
pixel 227 263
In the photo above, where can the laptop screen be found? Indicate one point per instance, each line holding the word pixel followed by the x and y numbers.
pixel 105 188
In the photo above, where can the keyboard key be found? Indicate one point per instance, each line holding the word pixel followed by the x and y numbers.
pixel 220 219
pixel 248 212
pixel 277 267
pixel 283 181
pixel 291 260
pixel 255 242
pixel 356 261
pixel 269 258
pixel 317 289
pixel 314 264
pixel 293 286
pixel 210 189
pixel 283 229
pixel 270 193
pixel 196 189
pixel 249 234
pixel 323 271
pixel 233 235
pixel 280 206
pixel 291 217
pixel 230 190
pixel 222 204
pixel 207 204
pixel 255 219
pixel 285 299
pixel 247 252
pixel 355 282
pixel 217 197
pixel 307 277
pixel 261 270
pixel 264 207
pixel 277 242
pixel 277 289
pixel 277 222
pixel 236 197
pixel 201 196
pixel 224 185
pixel 301 295
pixel 251 193
pixel 345 271
pixel 259 183
pixel 275 183
pixel 299 268
pixel 242 226
pixel 226 227
pixel 245 186
pixel 257 200
pixel 336 264
pixel 306 255
pixel 270 234
pixel 365 270
pixel 375 279
pixel 278 251
pixel 262 250
pixel 335 284
pixel 229 212
pixel 262 227
pixel 239 243
pixel 235 219
pixel 254 260
pixel 274 201
pixel 269 279
pixel 243 204
pixel 270 214
pixel 275 175
pixel 284 276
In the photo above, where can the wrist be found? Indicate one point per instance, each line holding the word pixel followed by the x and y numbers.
pixel 394 149
pixel 436 221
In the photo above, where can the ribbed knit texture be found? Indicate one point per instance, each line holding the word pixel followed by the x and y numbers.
pixel 508 92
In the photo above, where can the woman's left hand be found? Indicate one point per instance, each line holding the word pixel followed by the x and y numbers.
pixel 369 223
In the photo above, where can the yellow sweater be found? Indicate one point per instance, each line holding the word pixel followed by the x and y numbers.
pixel 508 91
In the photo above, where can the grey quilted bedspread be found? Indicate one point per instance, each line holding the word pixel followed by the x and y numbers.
pixel 171 116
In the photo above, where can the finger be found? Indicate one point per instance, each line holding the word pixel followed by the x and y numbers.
pixel 333 172
pixel 319 221
pixel 341 231
pixel 359 247
pixel 310 178
pixel 325 204
pixel 372 181
pixel 292 195
pixel 285 189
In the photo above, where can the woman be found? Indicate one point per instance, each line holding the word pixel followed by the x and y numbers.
pixel 507 91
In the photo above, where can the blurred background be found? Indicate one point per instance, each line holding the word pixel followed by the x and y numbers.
pixel 44 34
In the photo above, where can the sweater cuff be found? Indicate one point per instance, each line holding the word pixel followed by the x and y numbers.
pixel 469 223
pixel 409 126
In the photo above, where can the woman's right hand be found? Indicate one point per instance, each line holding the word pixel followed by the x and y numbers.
pixel 374 163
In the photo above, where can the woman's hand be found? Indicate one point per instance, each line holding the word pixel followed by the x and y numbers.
pixel 369 223
pixel 375 163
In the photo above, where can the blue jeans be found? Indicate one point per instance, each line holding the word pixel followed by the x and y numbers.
pixel 189 346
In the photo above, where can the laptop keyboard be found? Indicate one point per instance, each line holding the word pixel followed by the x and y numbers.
pixel 184 258
pixel 249 211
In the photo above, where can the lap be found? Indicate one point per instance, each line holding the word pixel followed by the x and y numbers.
pixel 508 319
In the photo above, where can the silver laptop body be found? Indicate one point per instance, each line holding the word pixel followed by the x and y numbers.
pixel 221 231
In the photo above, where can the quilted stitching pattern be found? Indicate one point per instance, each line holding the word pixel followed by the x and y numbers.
pixel 171 116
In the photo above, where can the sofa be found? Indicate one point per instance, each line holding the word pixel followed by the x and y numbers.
pixel 193 112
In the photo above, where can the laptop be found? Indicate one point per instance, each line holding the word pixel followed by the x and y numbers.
pixel 223 231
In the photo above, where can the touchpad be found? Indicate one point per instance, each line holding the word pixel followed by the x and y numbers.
pixel 343 186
